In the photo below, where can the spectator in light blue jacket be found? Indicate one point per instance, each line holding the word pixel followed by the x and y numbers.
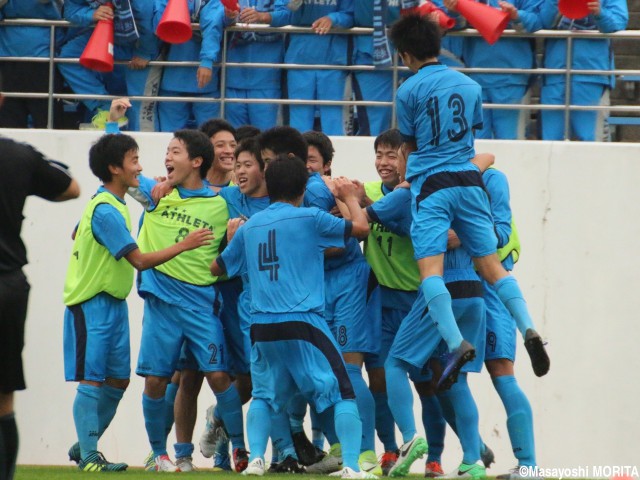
pixel 254 47
pixel 372 85
pixel 321 49
pixel 135 44
pixel 506 88
pixel 27 41
pixel 202 81
pixel 605 16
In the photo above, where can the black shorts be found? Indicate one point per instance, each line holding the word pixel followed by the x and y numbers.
pixel 14 296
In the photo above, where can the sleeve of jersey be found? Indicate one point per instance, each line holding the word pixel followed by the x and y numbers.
pixel 318 195
pixel 110 230
pixel 405 117
pixel 50 179
pixel 233 259
pixel 142 194
pixel 498 189
pixel 332 231
pixel 393 212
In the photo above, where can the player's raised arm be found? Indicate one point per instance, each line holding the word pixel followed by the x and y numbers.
pixel 143 261
pixel 346 191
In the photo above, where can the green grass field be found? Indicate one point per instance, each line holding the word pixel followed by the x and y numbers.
pixel 25 472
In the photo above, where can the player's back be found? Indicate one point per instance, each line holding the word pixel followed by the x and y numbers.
pixel 284 248
pixel 439 108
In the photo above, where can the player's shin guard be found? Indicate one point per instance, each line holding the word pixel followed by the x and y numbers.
pixel 434 426
pixel 438 301
pixel 385 426
pixel 519 419
pixel 85 416
pixel 400 396
pixel 107 405
pixel 230 409
pixel 466 418
pixel 154 413
pixel 366 406
pixel 258 427
pixel 510 295
pixel 349 431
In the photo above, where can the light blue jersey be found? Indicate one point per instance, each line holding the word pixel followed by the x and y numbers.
pixel 240 205
pixel 281 249
pixel 439 108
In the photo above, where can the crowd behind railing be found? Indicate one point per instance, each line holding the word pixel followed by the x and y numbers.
pixel 314 64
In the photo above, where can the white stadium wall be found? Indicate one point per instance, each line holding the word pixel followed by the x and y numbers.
pixel 577 207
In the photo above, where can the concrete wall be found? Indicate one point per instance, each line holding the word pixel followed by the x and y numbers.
pixel 578 213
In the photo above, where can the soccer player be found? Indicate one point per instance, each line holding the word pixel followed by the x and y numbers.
pixel 179 295
pixel 99 278
pixel 391 259
pixel 25 172
pixel 320 153
pixel 500 349
pixel 438 108
pixel 223 139
pixel 282 251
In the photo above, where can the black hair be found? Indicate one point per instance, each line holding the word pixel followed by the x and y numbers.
pixel 286 178
pixel 391 138
pixel 252 146
pixel 109 150
pixel 322 143
pixel 284 140
pixel 215 125
pixel 246 131
pixel 416 35
pixel 197 145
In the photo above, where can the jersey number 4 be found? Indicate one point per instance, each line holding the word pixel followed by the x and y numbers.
pixel 456 106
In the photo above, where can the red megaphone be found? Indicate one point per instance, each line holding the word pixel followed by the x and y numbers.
pixel 489 21
pixel 98 54
pixel 444 20
pixel 175 24
pixel 573 9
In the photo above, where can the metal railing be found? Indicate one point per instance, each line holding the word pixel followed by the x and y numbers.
pixel 567 107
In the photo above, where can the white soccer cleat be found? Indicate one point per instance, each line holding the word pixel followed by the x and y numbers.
pixel 164 464
pixel 213 433
pixel 255 468
pixel 347 472
pixel 185 464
